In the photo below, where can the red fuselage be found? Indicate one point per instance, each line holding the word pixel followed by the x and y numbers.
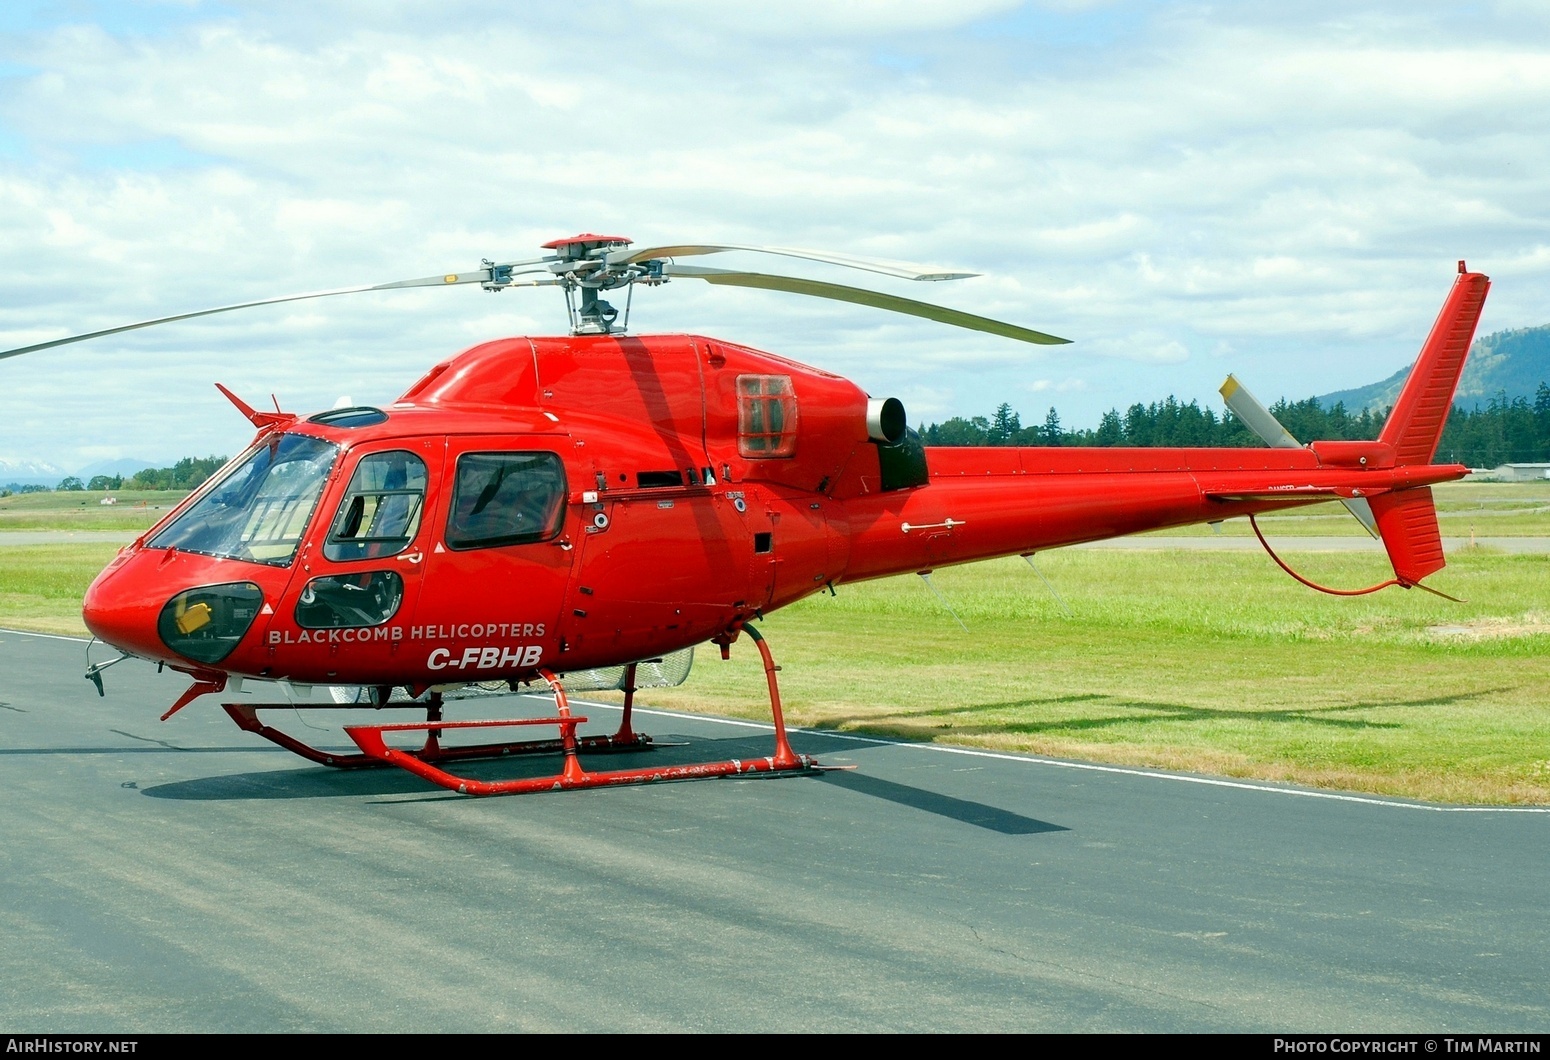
pixel 570 503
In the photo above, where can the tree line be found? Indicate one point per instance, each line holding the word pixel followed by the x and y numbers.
pixel 1505 431
pixel 1514 430
pixel 187 474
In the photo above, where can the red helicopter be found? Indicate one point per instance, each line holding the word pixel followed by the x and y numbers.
pixel 591 507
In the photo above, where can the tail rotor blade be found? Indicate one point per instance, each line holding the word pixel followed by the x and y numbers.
pixel 1362 510
pixel 1256 417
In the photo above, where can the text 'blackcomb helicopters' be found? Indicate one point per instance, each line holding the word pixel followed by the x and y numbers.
pixel 590 507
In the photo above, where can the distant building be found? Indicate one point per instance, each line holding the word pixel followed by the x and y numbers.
pixel 1513 473
pixel 108 500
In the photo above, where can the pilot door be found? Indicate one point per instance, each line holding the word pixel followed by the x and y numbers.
pixel 498 562
pixel 360 571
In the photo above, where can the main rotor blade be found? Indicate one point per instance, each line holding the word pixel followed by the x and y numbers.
pixel 902 269
pixel 840 293
pixel 449 279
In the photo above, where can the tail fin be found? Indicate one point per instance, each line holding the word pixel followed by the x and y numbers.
pixel 1407 522
pixel 1415 426
pixel 1407 519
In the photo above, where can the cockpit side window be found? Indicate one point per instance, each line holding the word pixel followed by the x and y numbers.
pixel 506 499
pixel 260 508
pixel 380 513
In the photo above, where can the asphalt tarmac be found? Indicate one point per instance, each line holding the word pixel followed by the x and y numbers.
pixel 189 877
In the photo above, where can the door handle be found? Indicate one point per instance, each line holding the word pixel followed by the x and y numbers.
pixel 411 557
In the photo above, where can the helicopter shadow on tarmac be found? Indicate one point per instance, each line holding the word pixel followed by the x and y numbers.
pixel 318 782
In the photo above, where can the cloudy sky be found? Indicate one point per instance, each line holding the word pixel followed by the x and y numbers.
pixel 1278 190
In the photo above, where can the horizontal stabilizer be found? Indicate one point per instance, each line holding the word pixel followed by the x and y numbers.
pixel 1279 493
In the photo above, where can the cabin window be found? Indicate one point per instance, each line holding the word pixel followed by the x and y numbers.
pixel 261 505
pixel 506 499
pixel 350 601
pixel 380 513
pixel 766 416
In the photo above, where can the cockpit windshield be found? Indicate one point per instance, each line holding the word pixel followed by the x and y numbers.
pixel 259 510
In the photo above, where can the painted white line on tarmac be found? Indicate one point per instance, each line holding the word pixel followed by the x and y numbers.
pixel 1368 800
pixel 50 636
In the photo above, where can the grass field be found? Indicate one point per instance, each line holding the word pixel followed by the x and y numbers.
pixel 1208 662
pixel 41 586
pixel 1204 661
pixel 84 510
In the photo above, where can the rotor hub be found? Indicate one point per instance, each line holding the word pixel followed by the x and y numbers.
pixel 582 264
pixel 583 245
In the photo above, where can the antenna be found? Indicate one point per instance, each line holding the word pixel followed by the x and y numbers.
pixel 925 576
pixel 1047 584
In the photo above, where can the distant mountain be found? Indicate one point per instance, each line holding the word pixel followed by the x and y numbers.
pixel 15 473
pixel 1512 361
pixel 125 466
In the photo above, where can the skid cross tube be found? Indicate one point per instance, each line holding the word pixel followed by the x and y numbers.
pixel 246 717
pixel 372 742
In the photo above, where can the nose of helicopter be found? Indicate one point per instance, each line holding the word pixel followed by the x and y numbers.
pixel 119 612
pixel 135 606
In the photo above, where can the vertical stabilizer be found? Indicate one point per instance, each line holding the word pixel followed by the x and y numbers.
pixel 1407 521
pixel 1415 426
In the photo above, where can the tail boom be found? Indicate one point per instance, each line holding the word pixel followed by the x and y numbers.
pixel 984 502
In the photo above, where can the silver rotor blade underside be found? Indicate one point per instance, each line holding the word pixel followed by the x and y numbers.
pixel 445 280
pixel 858 296
pixel 902 269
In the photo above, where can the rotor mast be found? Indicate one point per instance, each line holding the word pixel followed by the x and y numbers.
pixel 582 267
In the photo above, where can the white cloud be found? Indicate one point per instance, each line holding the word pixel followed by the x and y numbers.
pixel 1286 188
pixel 829 18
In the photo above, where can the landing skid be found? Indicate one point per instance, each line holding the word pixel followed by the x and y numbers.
pixel 425 762
pixel 246 717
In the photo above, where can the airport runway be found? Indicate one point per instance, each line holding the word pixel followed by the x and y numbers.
pixel 188 877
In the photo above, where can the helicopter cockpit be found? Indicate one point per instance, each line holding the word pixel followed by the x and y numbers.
pixel 259 510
